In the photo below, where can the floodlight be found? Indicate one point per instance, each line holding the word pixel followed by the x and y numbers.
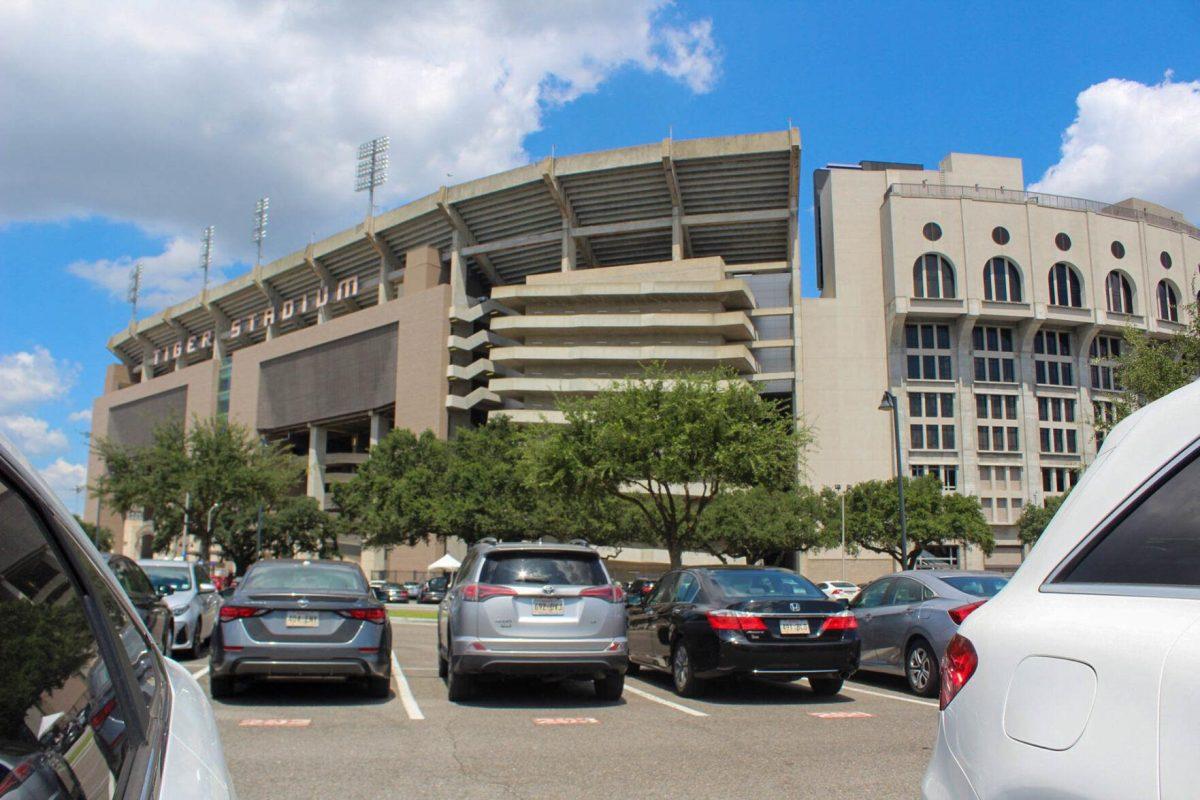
pixel 372 169
pixel 260 225
pixel 206 245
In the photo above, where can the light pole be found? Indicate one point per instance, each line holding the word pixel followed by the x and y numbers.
pixel 889 403
pixel 372 169
pixel 842 494
pixel 208 528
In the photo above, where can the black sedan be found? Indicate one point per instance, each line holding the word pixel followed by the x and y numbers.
pixel 710 622
pixel 433 590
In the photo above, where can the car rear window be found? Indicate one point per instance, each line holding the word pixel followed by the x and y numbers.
pixel 178 578
pixel 978 585
pixel 559 569
pixel 304 577
pixel 1155 544
pixel 754 583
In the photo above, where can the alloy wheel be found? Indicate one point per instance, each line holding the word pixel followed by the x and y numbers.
pixel 920 668
pixel 681 666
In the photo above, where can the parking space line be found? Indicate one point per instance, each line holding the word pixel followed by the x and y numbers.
pixel 664 701
pixel 406 696
pixel 853 688
pixel 200 673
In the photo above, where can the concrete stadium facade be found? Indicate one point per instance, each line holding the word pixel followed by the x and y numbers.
pixel 496 295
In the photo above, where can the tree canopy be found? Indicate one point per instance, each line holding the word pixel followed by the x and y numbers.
pixel 1034 519
pixel 1149 368
pixel 102 537
pixel 761 524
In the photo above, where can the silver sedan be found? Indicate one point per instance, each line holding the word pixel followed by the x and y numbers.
pixel 192 599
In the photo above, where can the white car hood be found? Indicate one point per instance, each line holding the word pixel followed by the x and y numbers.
pixel 194 767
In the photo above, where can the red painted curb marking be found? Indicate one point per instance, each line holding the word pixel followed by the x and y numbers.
pixel 275 723
pixel 565 721
pixel 839 714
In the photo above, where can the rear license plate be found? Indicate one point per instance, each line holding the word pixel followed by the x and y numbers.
pixel 302 619
pixel 794 627
pixel 547 608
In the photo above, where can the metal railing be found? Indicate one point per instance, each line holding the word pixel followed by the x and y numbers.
pixel 938 191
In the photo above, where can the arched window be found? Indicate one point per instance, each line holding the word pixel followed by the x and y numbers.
pixel 1001 280
pixel 1065 286
pixel 1168 302
pixel 933 277
pixel 1119 293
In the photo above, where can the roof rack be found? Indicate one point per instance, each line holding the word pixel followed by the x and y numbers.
pixel 580 542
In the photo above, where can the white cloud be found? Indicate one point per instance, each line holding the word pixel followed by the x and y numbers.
pixel 178 117
pixel 166 278
pixel 65 478
pixel 28 377
pixel 84 415
pixel 1133 140
pixel 32 436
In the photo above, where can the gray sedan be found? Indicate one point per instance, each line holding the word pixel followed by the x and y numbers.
pixel 905 620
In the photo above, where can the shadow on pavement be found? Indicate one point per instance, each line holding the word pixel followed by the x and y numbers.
pixel 532 693
pixel 895 683
pixel 747 691
pixel 289 692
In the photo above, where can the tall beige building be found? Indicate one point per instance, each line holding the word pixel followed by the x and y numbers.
pixel 975 303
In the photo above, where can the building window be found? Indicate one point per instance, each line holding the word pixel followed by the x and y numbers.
pixel 1168 302
pixel 995 406
pixel 947 473
pixel 1001 281
pixel 1062 242
pixel 1119 293
pixel 932 231
pixel 1000 235
pixel 928 352
pixel 1118 250
pixel 933 278
pixel 1057 433
pixel 999 438
pixel 1104 414
pixel 925 434
pixel 224 382
pixel 1065 286
pixel 1058 480
pixel 1164 258
pixel 1104 352
pixel 931 437
pixel 990 345
pixel 1053 365
pixel 931 404
pixel 1000 510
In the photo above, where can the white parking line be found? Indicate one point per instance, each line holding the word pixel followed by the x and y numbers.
pixel 406 696
pixel 664 701
pixel 200 673
pixel 854 688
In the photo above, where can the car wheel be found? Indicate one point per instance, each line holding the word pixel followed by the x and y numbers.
pixel 683 673
pixel 633 668
pixel 609 687
pixel 379 687
pixel 921 669
pixel 443 666
pixel 459 687
pixel 826 687
pixel 221 686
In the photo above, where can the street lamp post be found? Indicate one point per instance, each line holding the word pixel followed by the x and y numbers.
pixel 889 403
pixel 838 487
pixel 208 526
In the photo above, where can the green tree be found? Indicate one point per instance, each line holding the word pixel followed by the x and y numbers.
pixel 761 524
pixel 102 537
pixel 43 646
pixel 181 475
pixel 934 517
pixel 1034 519
pixel 668 445
pixel 291 526
pixel 1149 368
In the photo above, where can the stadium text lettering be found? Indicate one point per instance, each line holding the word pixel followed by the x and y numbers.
pixel 192 344
pixel 346 288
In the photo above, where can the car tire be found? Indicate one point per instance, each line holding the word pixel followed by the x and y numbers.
pixel 921 669
pixel 610 687
pixel 826 687
pixel 683 672
pixel 221 687
pixel 459 687
pixel 633 668
pixel 380 688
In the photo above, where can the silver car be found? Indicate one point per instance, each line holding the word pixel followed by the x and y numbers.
pixel 906 620
pixel 193 601
pixel 527 608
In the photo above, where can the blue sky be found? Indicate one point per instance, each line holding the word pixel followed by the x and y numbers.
pixel 130 157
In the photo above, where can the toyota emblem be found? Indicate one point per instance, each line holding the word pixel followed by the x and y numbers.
pixel 547 590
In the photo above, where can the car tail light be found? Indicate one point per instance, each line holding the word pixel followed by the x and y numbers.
pixel 962 612
pixel 20 773
pixel 958 665
pixel 100 716
pixel 728 620
pixel 478 592
pixel 368 614
pixel 612 593
pixel 229 613
pixel 841 621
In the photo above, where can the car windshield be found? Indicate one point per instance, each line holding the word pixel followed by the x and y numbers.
pixel 437 584
pixel 304 578
pixel 755 583
pixel 978 585
pixel 562 569
pixel 178 578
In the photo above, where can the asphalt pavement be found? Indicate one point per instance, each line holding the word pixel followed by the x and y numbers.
pixel 529 739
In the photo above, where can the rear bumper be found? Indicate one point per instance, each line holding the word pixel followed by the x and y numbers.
pixel 314 668
pixel 367 655
pixel 783 659
pixel 944 777
pixel 583 665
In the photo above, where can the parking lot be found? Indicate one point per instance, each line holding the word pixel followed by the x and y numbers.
pixel 536 740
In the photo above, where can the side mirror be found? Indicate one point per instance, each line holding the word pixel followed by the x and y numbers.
pixel 164 590
pixel 205 588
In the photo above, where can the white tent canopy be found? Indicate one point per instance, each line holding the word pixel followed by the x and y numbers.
pixel 446 562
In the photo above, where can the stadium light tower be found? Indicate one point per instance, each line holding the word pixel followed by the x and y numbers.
pixel 372 169
pixel 260 225
pixel 206 245
pixel 135 288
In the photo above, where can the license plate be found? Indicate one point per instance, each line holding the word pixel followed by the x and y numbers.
pixel 794 627
pixel 302 619
pixel 547 608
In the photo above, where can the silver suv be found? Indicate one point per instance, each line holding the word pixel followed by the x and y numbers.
pixel 524 608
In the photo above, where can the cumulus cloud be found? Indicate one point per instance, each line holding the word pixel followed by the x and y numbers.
pixel 1133 140
pixel 65 478
pixel 30 377
pixel 32 436
pixel 178 116
pixel 84 415
pixel 166 277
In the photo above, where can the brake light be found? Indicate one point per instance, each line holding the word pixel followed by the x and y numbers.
pixel 728 620
pixel 100 716
pixel 478 592
pixel 20 773
pixel 368 614
pixel 612 593
pixel 958 665
pixel 962 612
pixel 841 621
pixel 230 613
